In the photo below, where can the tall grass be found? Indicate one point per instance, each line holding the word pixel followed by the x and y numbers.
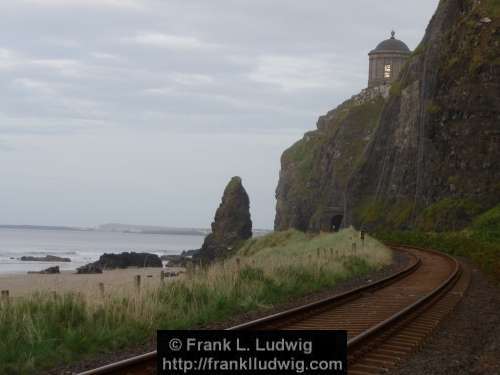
pixel 45 330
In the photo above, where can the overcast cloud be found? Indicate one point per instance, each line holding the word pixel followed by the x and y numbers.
pixel 140 111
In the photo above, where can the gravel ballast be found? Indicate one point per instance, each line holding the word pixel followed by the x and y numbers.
pixel 468 341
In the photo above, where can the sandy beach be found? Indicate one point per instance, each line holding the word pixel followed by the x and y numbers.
pixel 120 281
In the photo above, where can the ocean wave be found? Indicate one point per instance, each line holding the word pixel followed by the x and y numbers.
pixel 39 253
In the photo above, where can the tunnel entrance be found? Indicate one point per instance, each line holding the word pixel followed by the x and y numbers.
pixel 336 222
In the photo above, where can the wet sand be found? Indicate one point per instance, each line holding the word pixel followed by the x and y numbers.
pixel 115 281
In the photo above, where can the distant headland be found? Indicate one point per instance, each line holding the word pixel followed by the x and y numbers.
pixel 116 227
pixel 125 228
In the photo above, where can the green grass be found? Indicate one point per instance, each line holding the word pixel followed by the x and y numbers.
pixel 47 330
pixel 486 227
pixel 479 242
pixel 396 89
pixel 448 214
pixel 491 8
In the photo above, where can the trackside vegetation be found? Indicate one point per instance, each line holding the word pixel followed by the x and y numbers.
pixel 47 330
pixel 480 241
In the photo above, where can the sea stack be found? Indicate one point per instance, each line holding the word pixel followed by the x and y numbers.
pixel 232 224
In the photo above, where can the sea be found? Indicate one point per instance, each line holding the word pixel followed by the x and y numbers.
pixel 81 247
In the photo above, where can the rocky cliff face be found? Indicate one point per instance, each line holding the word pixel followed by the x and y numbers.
pixel 315 170
pixel 232 223
pixel 427 155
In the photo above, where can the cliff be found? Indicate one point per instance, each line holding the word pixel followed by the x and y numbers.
pixel 315 170
pixel 232 223
pixel 424 154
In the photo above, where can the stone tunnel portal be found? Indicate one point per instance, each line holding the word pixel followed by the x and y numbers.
pixel 336 223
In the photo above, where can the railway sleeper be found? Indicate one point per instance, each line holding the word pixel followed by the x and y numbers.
pixel 374 369
pixel 376 362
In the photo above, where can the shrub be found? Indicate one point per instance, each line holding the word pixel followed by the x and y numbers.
pixel 487 225
pixel 448 214
pixel 478 242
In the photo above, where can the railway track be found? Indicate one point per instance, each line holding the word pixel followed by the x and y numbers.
pixel 386 320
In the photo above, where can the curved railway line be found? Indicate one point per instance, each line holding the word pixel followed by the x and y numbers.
pixel 386 320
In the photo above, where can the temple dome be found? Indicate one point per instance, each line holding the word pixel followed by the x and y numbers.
pixel 391 45
pixel 387 61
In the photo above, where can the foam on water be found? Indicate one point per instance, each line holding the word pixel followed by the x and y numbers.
pixel 81 247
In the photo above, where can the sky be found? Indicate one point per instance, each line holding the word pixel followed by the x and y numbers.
pixel 140 111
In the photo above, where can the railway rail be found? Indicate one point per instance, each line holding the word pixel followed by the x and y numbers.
pixel 385 321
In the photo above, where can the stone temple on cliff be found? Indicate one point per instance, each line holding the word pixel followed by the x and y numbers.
pixel 387 60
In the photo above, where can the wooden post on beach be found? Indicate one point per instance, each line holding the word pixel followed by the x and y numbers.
pixel 189 268
pixel 101 289
pixel 5 295
pixel 137 279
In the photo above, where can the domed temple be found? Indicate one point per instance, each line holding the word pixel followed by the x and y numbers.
pixel 386 61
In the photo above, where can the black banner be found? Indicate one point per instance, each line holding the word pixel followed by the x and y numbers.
pixel 252 352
